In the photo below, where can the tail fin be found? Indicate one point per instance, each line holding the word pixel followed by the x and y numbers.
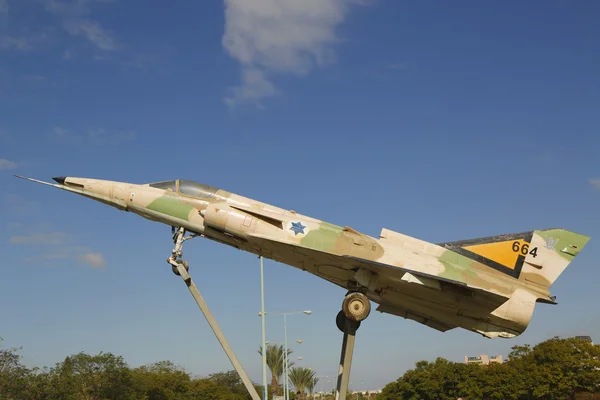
pixel 549 254
pixel 536 256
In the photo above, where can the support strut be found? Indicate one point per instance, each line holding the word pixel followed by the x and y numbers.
pixel 355 308
pixel 178 238
pixel 349 327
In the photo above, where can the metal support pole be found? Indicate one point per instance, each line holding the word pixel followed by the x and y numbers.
pixel 264 334
pixel 216 329
pixel 346 359
pixel 286 394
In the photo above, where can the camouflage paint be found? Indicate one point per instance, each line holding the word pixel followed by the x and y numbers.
pixel 565 239
pixel 172 206
pixel 457 267
pixel 492 295
pixel 325 238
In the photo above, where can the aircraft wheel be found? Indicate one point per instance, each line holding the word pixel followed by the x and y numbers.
pixel 340 322
pixel 356 306
pixel 181 262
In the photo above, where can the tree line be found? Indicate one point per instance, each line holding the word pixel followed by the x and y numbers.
pixel 553 369
pixel 106 376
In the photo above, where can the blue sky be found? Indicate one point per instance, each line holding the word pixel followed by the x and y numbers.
pixel 440 121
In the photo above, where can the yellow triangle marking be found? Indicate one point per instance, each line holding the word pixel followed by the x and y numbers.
pixel 504 253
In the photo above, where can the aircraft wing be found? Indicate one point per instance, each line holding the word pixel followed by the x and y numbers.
pixel 428 280
pixel 420 318
pixel 380 267
pixel 404 275
pixel 349 267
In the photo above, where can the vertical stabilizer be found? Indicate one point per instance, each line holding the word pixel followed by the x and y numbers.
pixel 549 254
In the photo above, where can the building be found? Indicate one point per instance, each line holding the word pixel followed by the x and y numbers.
pixel 496 359
pixel 369 394
pixel 483 359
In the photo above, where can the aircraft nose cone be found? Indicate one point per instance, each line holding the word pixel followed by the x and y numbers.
pixel 60 179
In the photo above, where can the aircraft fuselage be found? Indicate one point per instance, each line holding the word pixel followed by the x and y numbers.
pixel 407 277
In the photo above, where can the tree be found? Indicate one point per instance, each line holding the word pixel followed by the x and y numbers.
pixel 13 374
pixel 301 379
pixel 558 368
pixel 42 384
pixel 161 381
pixel 312 383
pixel 232 381
pixel 553 369
pixel 275 363
pixel 101 376
pixel 208 389
pixel 501 382
pixel 428 380
pixel 105 376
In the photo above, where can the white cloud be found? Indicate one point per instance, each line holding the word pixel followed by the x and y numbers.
pixel 6 164
pixel 92 31
pixel 58 246
pixel 17 204
pixel 595 183
pixel 79 254
pixel 60 132
pixel 20 43
pixel 72 14
pixel 23 43
pixel 397 66
pixel 54 238
pixel 95 135
pixel 278 36
pixel 95 260
pixel 35 77
pixel 254 86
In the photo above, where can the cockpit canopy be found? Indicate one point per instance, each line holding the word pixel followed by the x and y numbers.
pixel 187 188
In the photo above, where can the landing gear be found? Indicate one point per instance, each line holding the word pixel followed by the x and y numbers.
pixel 181 267
pixel 178 238
pixel 355 308
pixel 183 263
pixel 341 320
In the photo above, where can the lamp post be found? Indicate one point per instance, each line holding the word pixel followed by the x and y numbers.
pixel 264 334
pixel 286 395
pixel 285 362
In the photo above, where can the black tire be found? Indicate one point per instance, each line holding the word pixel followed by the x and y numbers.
pixel 181 262
pixel 341 320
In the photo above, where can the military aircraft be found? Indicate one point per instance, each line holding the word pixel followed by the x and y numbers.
pixel 486 285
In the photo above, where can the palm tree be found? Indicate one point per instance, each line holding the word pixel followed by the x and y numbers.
pixel 312 383
pixel 275 362
pixel 301 378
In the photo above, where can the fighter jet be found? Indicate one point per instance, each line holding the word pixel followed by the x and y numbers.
pixel 487 285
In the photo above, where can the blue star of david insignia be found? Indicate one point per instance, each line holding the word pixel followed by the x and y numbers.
pixel 297 228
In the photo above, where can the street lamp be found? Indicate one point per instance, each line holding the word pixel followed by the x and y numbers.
pixel 286 395
pixel 264 349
